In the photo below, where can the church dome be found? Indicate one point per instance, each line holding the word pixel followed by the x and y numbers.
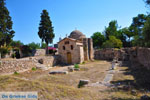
pixel 76 34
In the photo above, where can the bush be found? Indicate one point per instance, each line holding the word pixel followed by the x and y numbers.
pixel 83 62
pixel 16 73
pixel 113 42
pixel 33 68
pixel 3 52
pixel 76 66
pixel 13 55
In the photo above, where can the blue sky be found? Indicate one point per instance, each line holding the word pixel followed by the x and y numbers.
pixel 88 16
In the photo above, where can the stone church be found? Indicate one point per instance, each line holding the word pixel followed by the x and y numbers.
pixel 76 48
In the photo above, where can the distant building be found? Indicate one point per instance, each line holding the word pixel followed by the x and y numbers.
pixel 76 48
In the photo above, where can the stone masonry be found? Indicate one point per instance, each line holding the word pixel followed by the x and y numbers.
pixel 24 64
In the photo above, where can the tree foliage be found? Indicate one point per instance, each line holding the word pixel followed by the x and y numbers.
pixel 6 31
pixel 34 45
pixel 43 45
pixel 45 28
pixel 138 24
pixel 113 42
pixel 146 33
pixel 98 39
pixel 111 30
pixel 16 44
pixel 147 2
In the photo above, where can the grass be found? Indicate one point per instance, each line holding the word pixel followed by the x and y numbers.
pixel 126 79
pixel 34 69
pixel 65 87
pixel 16 73
pixel 46 90
pixel 52 87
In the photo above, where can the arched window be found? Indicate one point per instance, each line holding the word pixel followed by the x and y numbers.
pixel 71 47
pixel 64 48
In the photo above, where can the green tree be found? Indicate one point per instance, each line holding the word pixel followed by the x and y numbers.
pixel 16 44
pixel 147 2
pixel 129 34
pixel 45 29
pixel 136 29
pixel 43 46
pixel 146 33
pixel 113 42
pixel 34 45
pixel 98 39
pixel 6 32
pixel 138 24
pixel 121 35
pixel 111 30
pixel 137 41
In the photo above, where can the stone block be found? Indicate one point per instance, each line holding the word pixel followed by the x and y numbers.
pixel 58 72
pixel 83 83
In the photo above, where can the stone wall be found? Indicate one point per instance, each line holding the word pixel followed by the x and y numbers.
pixel 24 64
pixel 140 56
pixel 136 56
pixel 39 52
pixel 70 55
pixel 110 54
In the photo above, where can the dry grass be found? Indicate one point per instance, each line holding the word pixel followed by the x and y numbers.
pixel 125 79
pixel 63 87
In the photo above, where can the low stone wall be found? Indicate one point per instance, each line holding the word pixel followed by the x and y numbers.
pixel 20 65
pixel 10 66
pixel 39 52
pixel 48 61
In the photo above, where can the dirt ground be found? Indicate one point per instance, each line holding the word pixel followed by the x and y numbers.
pixel 64 87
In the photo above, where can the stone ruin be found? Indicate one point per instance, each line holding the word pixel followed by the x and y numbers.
pixel 24 64
pixel 134 55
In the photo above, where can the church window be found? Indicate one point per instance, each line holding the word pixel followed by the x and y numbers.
pixel 71 47
pixel 64 48
pixel 66 42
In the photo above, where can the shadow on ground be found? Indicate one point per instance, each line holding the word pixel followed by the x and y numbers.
pixel 141 77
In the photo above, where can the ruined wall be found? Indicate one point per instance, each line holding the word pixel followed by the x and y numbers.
pixel 110 54
pixel 141 57
pixel 24 64
pixel 136 56
pixel 39 52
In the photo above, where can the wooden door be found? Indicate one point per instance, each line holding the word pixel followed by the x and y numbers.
pixel 69 58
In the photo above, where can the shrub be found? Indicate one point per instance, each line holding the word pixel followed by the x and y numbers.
pixel 13 55
pixel 16 73
pixel 76 66
pixel 4 51
pixel 33 68
pixel 113 42
pixel 83 62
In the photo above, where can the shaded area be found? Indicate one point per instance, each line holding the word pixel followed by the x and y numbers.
pixel 141 77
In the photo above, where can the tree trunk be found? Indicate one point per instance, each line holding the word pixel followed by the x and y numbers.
pixel 47 51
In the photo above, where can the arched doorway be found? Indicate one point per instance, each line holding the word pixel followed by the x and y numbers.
pixel 69 58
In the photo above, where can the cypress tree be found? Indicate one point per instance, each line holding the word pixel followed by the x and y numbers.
pixel 45 28
pixel 6 31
